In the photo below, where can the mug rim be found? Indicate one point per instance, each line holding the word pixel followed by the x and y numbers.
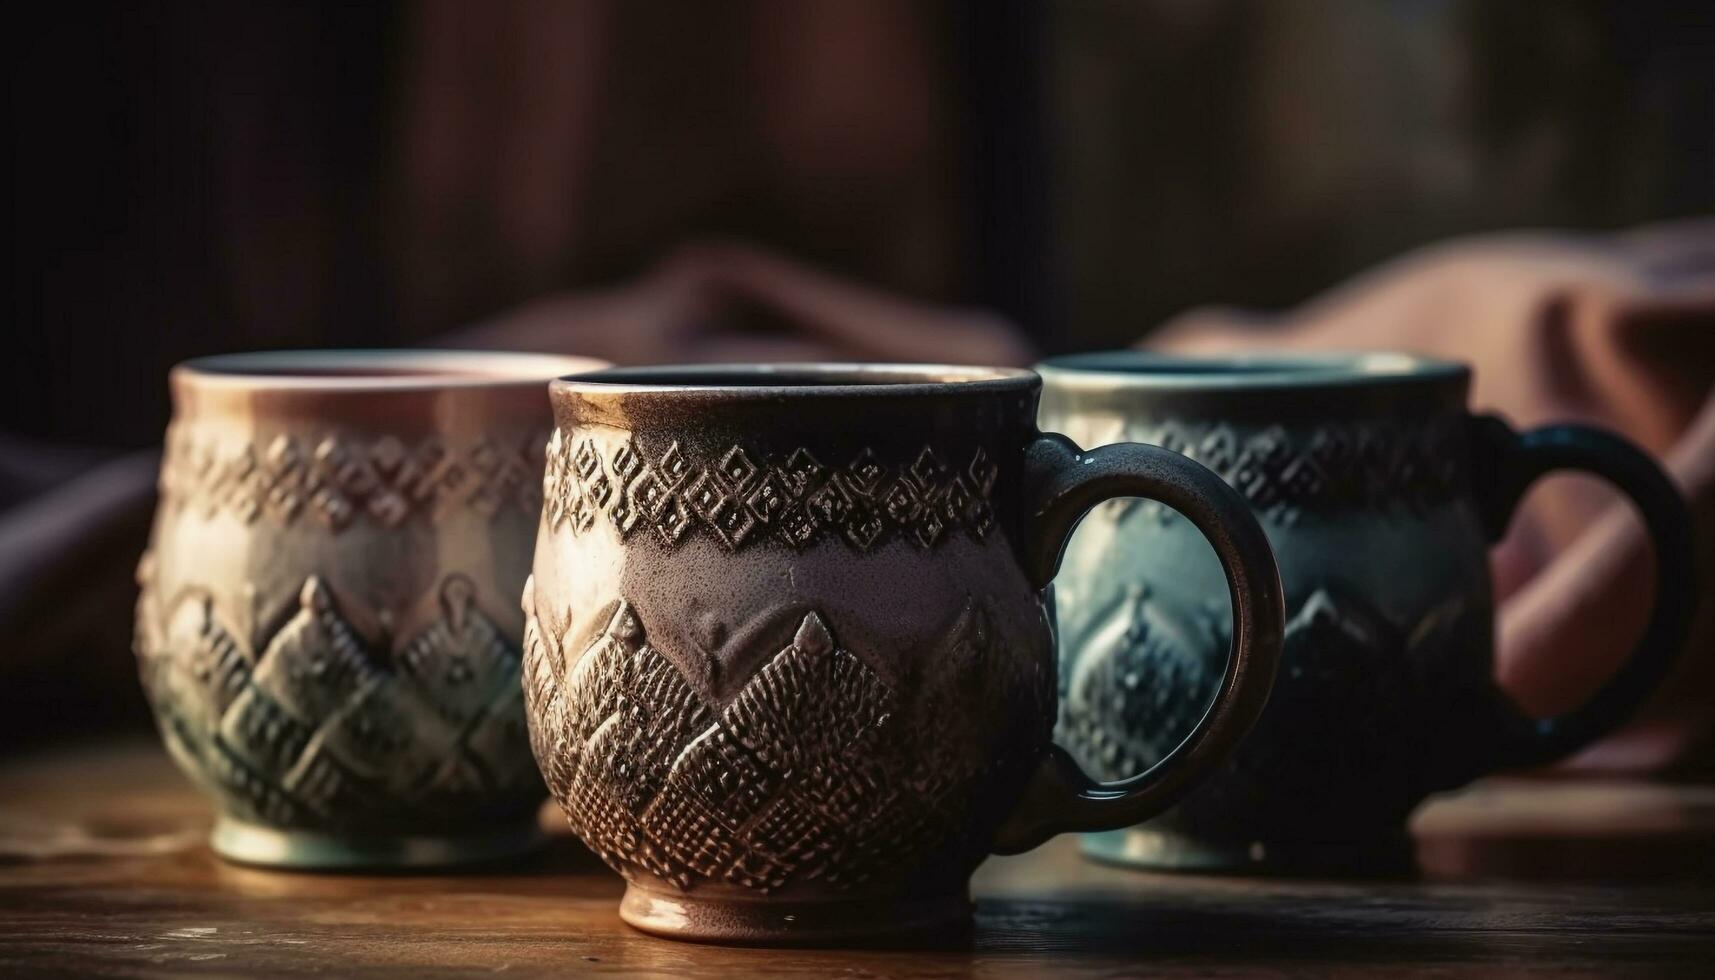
pixel 1272 369
pixel 376 369
pixel 810 379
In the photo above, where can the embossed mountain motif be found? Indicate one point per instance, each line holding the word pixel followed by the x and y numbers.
pixel 1143 681
pixel 815 771
pixel 1352 692
pixel 322 729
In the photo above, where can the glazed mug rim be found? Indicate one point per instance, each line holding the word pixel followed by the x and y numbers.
pixel 364 370
pixel 1277 369
pixel 815 379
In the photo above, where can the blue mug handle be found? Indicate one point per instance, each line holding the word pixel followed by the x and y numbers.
pixel 1504 465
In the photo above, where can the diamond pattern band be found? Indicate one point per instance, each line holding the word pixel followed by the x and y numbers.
pixel 337 479
pixel 744 497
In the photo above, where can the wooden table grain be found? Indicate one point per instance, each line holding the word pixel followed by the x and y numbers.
pixel 103 873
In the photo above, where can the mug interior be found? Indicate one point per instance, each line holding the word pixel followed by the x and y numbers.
pixel 739 380
pixel 378 370
pixel 1126 368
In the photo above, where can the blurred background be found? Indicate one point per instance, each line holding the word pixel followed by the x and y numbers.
pixel 1522 184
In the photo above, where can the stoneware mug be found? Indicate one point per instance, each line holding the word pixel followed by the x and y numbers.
pixel 1380 494
pixel 788 664
pixel 328 628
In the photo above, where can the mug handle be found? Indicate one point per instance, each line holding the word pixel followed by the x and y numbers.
pixel 1061 484
pixel 1505 464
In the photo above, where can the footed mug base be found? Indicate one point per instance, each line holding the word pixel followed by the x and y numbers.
pixel 253 844
pixel 763 922
pixel 1157 850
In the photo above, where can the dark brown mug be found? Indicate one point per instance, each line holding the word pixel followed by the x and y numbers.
pixel 788 663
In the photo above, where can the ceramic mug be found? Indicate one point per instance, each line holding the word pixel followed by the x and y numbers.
pixel 788 666
pixel 328 628
pixel 1380 494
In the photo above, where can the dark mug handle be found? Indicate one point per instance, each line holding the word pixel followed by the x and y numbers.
pixel 1061 484
pixel 1504 464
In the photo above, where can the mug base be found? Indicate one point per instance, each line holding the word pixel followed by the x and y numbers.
pixel 1155 850
pixel 254 844
pixel 762 922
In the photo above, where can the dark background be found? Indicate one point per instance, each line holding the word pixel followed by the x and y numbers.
pixel 201 176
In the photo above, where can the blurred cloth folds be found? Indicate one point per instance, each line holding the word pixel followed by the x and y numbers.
pixel 1614 330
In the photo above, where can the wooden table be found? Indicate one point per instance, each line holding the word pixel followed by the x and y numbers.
pixel 103 873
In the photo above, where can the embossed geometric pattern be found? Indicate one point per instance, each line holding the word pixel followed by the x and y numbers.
pixel 815 771
pixel 1285 472
pixel 339 479
pixel 739 497
pixel 1357 721
pixel 319 730
pixel 1139 686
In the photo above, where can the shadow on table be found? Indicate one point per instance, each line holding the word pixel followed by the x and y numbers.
pixel 1470 926
pixel 562 864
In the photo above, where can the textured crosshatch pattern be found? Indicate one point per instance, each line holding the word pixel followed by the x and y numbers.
pixel 815 771
pixel 317 727
pixel 743 496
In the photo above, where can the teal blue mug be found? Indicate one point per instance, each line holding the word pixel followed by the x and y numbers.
pixel 1380 494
